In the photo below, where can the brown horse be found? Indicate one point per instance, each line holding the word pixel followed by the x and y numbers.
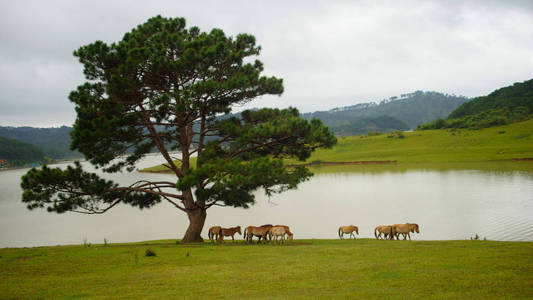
pixel 287 231
pixel 348 229
pixel 229 232
pixel 214 233
pixel 405 229
pixel 260 232
pixel 386 230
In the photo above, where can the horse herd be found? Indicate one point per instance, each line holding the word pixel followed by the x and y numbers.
pixel 273 232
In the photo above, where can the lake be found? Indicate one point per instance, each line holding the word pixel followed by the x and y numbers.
pixel 447 204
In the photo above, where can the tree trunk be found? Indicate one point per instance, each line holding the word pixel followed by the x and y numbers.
pixel 196 224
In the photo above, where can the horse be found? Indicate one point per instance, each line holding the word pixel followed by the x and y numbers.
pixel 405 229
pixel 276 231
pixel 386 230
pixel 229 232
pixel 260 232
pixel 348 229
pixel 214 233
pixel 287 231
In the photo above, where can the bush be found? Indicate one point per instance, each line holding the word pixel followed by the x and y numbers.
pixel 149 252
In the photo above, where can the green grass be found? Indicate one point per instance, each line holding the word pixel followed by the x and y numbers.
pixel 432 147
pixel 326 269
pixel 436 146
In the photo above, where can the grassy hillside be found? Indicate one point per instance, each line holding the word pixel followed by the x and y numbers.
pixel 496 143
pixel 431 146
pixel 362 269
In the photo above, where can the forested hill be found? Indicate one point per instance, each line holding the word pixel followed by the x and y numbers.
pixel 511 97
pixel 17 153
pixel 503 106
pixel 409 109
pixel 54 142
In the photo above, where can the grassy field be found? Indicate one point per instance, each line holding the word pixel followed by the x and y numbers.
pixel 306 269
pixel 502 143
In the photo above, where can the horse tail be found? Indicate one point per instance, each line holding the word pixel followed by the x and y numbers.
pixel 339 232
pixel 209 233
pixel 375 233
pixel 244 235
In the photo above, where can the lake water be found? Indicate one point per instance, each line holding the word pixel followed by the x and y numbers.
pixel 447 204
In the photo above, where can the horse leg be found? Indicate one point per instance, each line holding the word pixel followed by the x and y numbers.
pixel 232 238
pixel 408 234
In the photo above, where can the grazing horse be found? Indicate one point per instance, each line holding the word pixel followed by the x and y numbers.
pixel 404 229
pixel 214 233
pixel 260 232
pixel 348 229
pixel 386 230
pixel 229 232
pixel 276 231
pixel 287 231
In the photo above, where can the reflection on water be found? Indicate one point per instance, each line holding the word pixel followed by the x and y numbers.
pixel 446 203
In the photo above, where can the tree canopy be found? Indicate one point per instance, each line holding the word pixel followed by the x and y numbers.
pixel 164 87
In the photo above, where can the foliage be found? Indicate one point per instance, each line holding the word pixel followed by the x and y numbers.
pixel 412 109
pixel 18 153
pixel 54 142
pixel 306 269
pixel 149 252
pixel 163 87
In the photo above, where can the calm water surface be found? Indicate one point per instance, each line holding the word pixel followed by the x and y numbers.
pixel 453 204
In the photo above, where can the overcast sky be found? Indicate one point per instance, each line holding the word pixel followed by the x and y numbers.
pixel 329 53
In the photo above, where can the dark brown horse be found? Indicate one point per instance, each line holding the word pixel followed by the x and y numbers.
pixel 229 232
pixel 260 232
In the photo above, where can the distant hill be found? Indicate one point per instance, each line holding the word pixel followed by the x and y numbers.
pixel 409 109
pixel 54 142
pixel 506 105
pixel 366 125
pixel 18 153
